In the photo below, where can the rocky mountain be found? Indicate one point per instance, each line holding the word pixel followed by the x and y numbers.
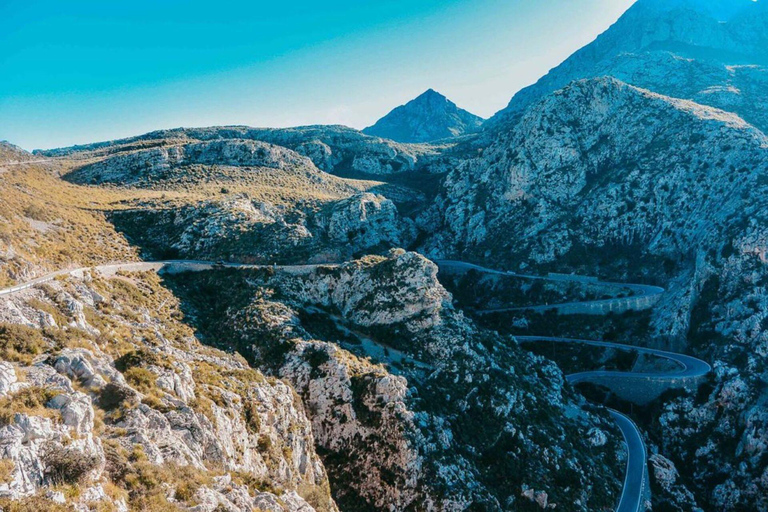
pixel 604 178
pixel 430 117
pixel 334 149
pixel 118 399
pixel 321 360
pixel 709 51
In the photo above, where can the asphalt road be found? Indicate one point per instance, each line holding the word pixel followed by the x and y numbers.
pixel 638 290
pixel 111 269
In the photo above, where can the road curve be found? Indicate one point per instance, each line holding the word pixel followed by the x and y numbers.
pixel 636 475
pixel 110 269
pixel 689 367
pixel 643 296
pixel 690 370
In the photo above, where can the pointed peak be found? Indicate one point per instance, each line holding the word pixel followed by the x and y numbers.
pixel 429 117
pixel 431 95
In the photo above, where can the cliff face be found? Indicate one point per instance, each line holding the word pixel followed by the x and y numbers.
pixel 430 117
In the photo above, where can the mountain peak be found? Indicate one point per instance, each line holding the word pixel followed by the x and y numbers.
pixel 429 117
pixel 709 51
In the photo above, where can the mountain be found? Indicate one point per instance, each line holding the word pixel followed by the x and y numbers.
pixel 428 118
pixel 334 149
pixel 711 51
pixel 360 384
pixel 604 178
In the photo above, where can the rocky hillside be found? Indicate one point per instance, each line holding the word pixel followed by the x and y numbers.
pixel 709 51
pixel 112 402
pixel 603 163
pixel 430 117
pixel 333 149
pixel 108 401
pixel 413 406
pixel 603 178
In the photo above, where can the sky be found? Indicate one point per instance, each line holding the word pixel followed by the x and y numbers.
pixel 81 71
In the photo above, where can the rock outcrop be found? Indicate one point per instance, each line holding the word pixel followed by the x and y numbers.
pixel 135 414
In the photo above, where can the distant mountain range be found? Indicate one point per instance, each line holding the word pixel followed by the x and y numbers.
pixel 428 118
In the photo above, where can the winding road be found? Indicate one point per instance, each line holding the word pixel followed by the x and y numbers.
pixel 111 269
pixel 640 387
pixel 690 370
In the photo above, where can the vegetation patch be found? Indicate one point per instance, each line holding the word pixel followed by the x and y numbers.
pixel 31 401
pixel 20 344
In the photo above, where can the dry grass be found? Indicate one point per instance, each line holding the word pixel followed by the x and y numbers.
pixel 20 344
pixel 31 401
pixel 7 467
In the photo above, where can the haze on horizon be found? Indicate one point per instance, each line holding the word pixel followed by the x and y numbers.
pixel 87 71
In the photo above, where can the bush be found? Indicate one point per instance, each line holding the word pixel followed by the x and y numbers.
pixel 136 359
pixel 67 466
pixel 20 343
pixel 141 378
pixel 33 504
pixel 112 396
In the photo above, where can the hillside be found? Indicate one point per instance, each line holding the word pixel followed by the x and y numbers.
pixel 11 154
pixel 128 409
pixel 427 118
pixel 334 149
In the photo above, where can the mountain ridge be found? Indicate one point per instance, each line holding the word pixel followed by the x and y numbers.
pixel 679 50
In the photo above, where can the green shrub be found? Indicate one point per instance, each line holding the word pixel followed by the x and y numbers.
pixel 112 396
pixel 136 359
pixel 141 378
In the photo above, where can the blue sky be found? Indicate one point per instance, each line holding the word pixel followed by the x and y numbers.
pixel 80 71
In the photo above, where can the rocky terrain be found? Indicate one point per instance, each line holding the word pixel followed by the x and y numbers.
pixel 603 178
pixel 430 117
pixel 428 402
pixel 11 154
pixel 342 374
pixel 333 149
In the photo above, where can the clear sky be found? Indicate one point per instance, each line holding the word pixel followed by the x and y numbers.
pixel 79 71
